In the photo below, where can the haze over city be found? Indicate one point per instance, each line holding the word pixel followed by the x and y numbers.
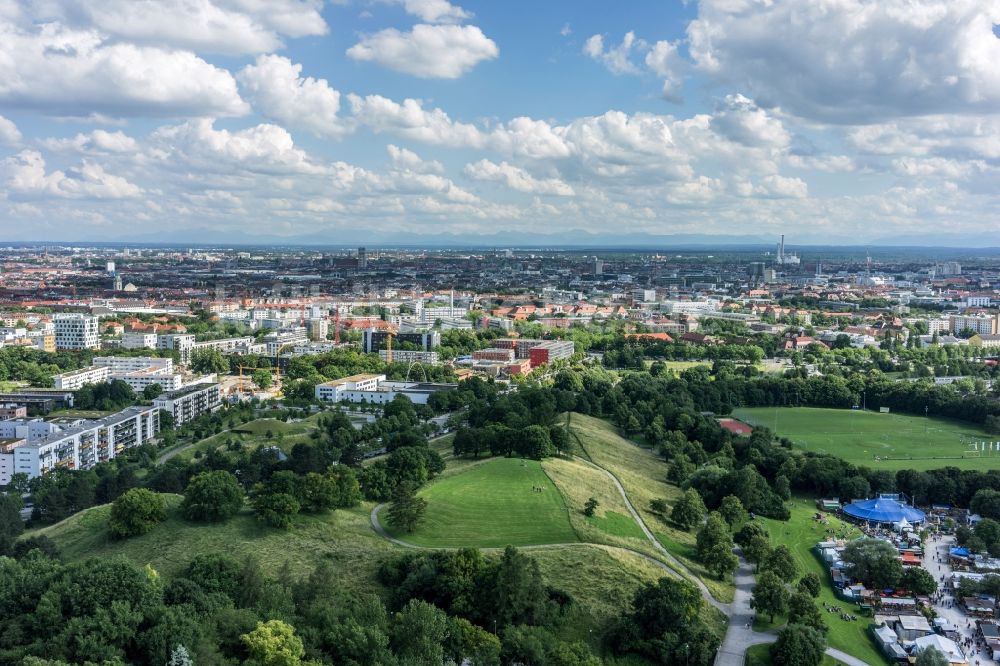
pixel 563 122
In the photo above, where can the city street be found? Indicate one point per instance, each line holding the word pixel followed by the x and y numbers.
pixel 937 563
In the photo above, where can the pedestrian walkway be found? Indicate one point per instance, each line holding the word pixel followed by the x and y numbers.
pixel 937 562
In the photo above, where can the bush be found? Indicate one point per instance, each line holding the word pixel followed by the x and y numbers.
pixel 212 496
pixel 136 512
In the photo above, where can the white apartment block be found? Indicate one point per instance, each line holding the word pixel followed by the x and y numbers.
pixel 84 445
pixel 978 301
pixel 938 326
pixel 74 379
pixel 980 324
pixel 337 390
pixel 139 340
pixel 190 402
pixel 76 331
pixel 136 371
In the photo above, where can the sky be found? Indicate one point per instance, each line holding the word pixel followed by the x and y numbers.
pixel 831 121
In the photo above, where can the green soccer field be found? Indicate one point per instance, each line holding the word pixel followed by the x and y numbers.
pixel 883 441
pixel 492 505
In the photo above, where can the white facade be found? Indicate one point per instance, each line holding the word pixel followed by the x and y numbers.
pixel 125 364
pixel 138 340
pixel 190 402
pixel 74 379
pixel 410 356
pixel 981 324
pixel 83 446
pixel 76 331
pixel 334 391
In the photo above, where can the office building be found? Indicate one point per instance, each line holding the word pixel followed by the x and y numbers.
pixel 374 339
pixel 494 354
pixel 76 331
pixel 362 259
pixel 12 411
pixel 539 351
pixel 190 402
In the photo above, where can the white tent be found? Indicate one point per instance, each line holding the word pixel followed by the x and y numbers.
pixel 902 525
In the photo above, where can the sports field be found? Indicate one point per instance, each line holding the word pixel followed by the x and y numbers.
pixel 882 441
pixel 505 501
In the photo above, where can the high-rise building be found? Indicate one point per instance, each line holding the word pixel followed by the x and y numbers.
pixel 76 331
pixel 598 266
pixel 111 268
pixel 362 259
pixel 318 329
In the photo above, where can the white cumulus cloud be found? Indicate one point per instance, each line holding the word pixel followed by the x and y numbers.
pixel 274 85
pixel 516 178
pixel 427 51
pixel 26 176
pixel 9 134
pixel 435 11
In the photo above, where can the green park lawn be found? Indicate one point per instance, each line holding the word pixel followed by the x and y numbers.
pixel 492 505
pixel 760 655
pixel 253 434
pixel 643 475
pixel 800 533
pixel 881 441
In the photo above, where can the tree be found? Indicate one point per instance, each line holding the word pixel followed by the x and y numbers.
pixel 273 643
pixel 720 560
pixel 714 531
pixel 209 361
pixel 874 562
pixel 781 562
pixel 590 507
pixel 658 506
pixel 467 641
pixel 688 510
pixel 274 508
pixel 151 392
pixel 758 550
pixel 212 497
pixel 802 610
pixel 986 502
pixel 798 645
pixel 770 596
pixel 317 493
pixel 136 512
pixel 406 510
pixel 180 657
pixel 931 656
pixel 732 510
pixel 919 581
pixel 261 378
pixel 810 584
pixel 419 631
pixel 11 525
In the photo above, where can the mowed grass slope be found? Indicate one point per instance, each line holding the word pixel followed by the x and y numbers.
pixel 643 475
pixel 868 438
pixel 800 534
pixel 491 505
pixel 760 655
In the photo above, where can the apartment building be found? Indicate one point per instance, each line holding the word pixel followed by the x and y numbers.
pixel 539 351
pixel 190 402
pixel 374 389
pixel 136 371
pixel 410 356
pixel 337 390
pixel 76 331
pixel 494 354
pixel 83 446
pixel 981 324
pixel 139 340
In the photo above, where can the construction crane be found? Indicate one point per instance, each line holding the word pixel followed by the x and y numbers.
pixel 336 325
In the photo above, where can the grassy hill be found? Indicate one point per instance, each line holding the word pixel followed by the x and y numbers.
pixel 503 501
pixel 642 473
pixel 882 441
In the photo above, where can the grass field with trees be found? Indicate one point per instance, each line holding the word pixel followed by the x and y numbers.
pixel 881 441
pixel 643 474
pixel 800 533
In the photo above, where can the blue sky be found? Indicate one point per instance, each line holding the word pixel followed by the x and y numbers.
pixel 837 121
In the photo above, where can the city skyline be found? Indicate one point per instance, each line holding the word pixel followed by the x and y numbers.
pixel 840 123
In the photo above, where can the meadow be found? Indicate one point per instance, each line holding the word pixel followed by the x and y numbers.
pixel 500 502
pixel 880 441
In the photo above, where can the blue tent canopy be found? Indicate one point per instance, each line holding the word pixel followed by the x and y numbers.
pixel 883 510
pixel 960 552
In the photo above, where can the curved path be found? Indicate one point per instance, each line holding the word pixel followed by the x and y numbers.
pixel 739 632
pixel 677 564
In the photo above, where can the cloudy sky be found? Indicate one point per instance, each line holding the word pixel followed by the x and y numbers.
pixel 829 120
